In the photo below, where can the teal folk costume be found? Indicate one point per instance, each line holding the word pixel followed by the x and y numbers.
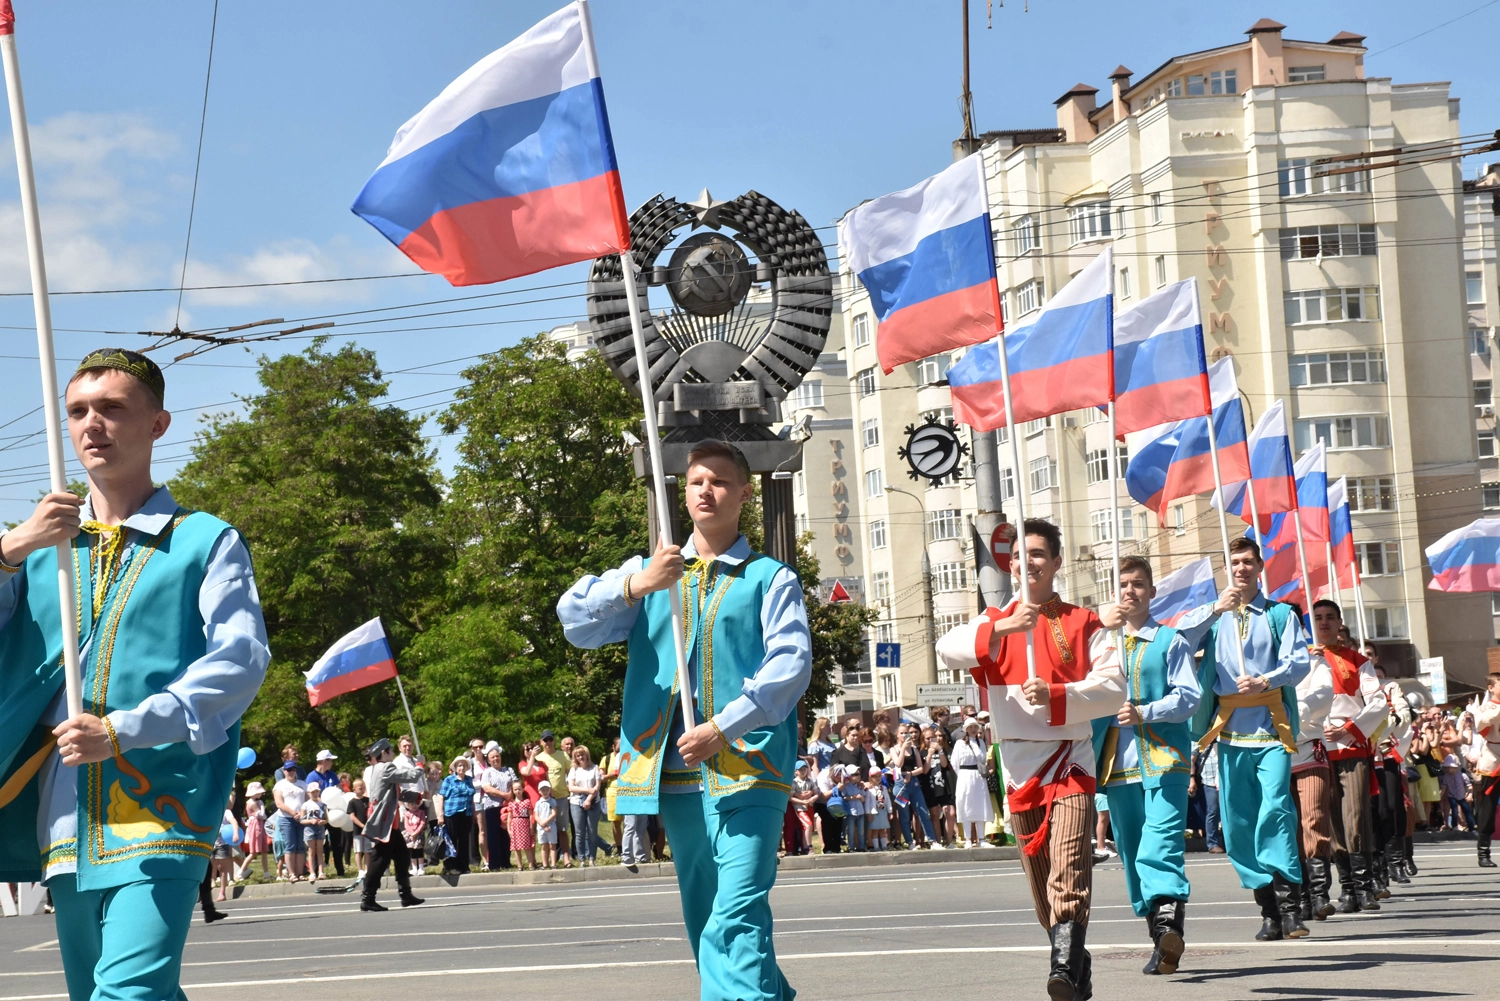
pixel 750 654
pixel 173 650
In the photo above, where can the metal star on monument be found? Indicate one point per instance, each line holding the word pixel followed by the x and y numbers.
pixel 706 210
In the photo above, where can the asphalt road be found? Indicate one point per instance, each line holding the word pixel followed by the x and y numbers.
pixel 964 931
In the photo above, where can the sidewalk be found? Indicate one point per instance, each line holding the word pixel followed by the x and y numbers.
pixel 651 870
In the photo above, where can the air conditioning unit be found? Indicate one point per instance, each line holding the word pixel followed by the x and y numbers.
pixel 1085 552
pixel 1486 410
pixel 1070 422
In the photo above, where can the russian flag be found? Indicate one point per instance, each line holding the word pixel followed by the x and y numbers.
pixel 360 659
pixel 510 170
pixel 1467 559
pixel 1341 533
pixel 1283 562
pixel 926 258
pixel 1060 362
pixel 1172 462
pixel 1161 374
pixel 1271 471
pixel 1183 590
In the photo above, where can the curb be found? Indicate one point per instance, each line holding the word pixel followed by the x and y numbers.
pixel 650 870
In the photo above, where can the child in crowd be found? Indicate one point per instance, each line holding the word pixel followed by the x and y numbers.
pixel 222 863
pixel 804 799
pixel 413 817
pixel 877 811
pixel 1456 786
pixel 359 812
pixel 257 842
pixel 854 810
pixel 522 834
pixel 546 824
pixel 315 819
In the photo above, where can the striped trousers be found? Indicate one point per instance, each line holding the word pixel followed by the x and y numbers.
pixel 1315 827
pixel 1061 875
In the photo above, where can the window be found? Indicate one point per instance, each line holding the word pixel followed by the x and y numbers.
pixel 888 693
pixel 1479 341
pixel 1473 287
pixel 1298 176
pixel 1338 368
pixel 1095 415
pixel 1028 296
pixel 880 588
pixel 945 624
pixel 856 677
pixel 1495 604
pixel 1359 431
pixel 1103 529
pixel 1120 220
pixel 878 539
pixel 799 483
pixel 944 524
pixel 1007 484
pixel 859 705
pixel 862 330
pixel 1024 233
pixel 1222 82
pixel 1294 177
pixel 1483 392
pixel 802 524
pixel 1089 221
pixel 942 415
pixel 874 483
pixel 1197 85
pixel 865 379
pixel 885 632
pixel 808 394
pixel 1122 283
pixel 869 431
pixel 1096 461
pixel 1179 520
pixel 1143 526
pixel 933 370
pixel 1372 493
pixel 950 577
pixel 1174 87
pixel 1378 558
pixel 1385 623
pixel 1304 74
pixel 1331 305
pixel 1160 266
pixel 1345 240
pixel 1490 496
pixel 1043 474
pixel 1155 207
pixel 1036 427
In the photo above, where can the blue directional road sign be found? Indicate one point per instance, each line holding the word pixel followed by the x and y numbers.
pixel 887 654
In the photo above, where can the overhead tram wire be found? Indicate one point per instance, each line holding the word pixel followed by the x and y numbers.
pixel 208 76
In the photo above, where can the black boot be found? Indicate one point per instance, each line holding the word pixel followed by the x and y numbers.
pixel 1170 944
pixel 1320 878
pixel 1304 894
pixel 1364 882
pixel 1070 977
pixel 1381 876
pixel 1153 928
pixel 1270 914
pixel 1398 870
pixel 1411 861
pixel 1485 862
pixel 1287 894
pixel 367 903
pixel 1348 904
pixel 409 899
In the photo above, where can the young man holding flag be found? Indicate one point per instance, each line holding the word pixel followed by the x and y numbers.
pixel 117 808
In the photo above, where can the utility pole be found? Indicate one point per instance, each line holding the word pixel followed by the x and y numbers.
pixel 966 99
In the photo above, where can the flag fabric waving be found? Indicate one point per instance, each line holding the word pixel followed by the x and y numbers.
pixel 1467 559
pixel 1161 374
pixel 511 169
pixel 359 660
pixel 926 258
pixel 1341 533
pixel 1183 590
pixel 1060 362
pixel 1270 470
pixel 1283 561
pixel 1173 461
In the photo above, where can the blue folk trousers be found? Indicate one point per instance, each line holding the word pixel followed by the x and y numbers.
pixel 124 943
pixel 1148 825
pixel 726 865
pixel 1260 819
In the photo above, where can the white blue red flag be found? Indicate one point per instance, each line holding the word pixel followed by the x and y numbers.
pixel 1172 462
pixel 1183 590
pixel 1341 533
pixel 1467 559
pixel 1059 362
pixel 510 170
pixel 926 258
pixel 1283 561
pixel 1271 472
pixel 1161 374
pixel 359 660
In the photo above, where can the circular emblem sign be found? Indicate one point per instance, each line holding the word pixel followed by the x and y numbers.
pixel 709 274
pixel 932 450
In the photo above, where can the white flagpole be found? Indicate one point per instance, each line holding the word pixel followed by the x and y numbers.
pixel 410 725
pixel 653 439
pixel 51 412
pixel 1359 602
pixel 1335 592
pixel 1302 559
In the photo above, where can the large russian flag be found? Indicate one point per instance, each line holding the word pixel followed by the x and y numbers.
pixel 1467 559
pixel 1161 374
pixel 360 659
pixel 1283 562
pixel 510 170
pixel 1174 461
pixel 1341 533
pixel 926 258
pixel 1271 471
pixel 1183 590
pixel 1060 362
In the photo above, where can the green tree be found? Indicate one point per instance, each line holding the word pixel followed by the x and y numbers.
pixel 337 498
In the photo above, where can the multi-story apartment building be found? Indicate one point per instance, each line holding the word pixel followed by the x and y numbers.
pixel 1340 293
pixel 1482 296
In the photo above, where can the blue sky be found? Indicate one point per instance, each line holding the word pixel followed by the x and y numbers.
pixel 818 105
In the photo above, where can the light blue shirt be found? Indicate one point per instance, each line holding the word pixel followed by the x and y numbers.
pixel 197 707
pixel 1179 704
pixel 594 612
pixel 1281 660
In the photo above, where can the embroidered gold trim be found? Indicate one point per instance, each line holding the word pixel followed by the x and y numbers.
pixel 109 728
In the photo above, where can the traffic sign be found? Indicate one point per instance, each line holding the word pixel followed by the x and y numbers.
pixel 1001 541
pixel 887 654
pixel 943 695
pixel 838 594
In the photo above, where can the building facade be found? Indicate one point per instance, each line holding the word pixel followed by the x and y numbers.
pixel 1481 294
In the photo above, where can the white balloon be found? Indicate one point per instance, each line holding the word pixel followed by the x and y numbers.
pixel 340 819
pixel 335 798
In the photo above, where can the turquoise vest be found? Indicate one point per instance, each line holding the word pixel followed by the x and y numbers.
pixel 1277 612
pixel 756 770
pixel 152 812
pixel 1163 749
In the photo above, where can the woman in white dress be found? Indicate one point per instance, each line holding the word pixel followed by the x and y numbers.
pixel 972 806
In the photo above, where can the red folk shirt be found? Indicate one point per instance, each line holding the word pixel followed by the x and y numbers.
pixel 1359 704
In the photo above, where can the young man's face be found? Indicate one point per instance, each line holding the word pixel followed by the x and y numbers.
pixel 113 421
pixel 1494 689
pixel 405 746
pixel 1326 623
pixel 716 490
pixel 1041 567
pixel 1245 568
pixel 1136 593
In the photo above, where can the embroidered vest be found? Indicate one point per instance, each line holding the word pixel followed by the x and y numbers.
pixel 1277 613
pixel 723 628
pixel 152 812
pixel 1163 749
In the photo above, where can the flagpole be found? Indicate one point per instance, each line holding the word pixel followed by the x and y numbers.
pixel 1302 558
pixel 1359 602
pixel 1114 457
pixel 409 724
pixel 46 356
pixel 1260 540
pixel 1333 574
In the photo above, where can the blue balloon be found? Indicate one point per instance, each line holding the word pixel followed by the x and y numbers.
pixel 247 757
pixel 229 834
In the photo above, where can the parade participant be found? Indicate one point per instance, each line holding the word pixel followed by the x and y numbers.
pixel 1046 737
pixel 1249 707
pixel 1390 773
pixel 720 781
pixel 1310 780
pixel 120 818
pixel 1487 767
pixel 1144 757
pixel 388 846
pixel 1358 708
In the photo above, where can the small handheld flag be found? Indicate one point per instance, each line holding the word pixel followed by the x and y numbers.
pixel 1341 533
pixel 1467 559
pixel 1161 374
pixel 359 660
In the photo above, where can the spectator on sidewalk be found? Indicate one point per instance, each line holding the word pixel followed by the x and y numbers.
pixel 315 829
pixel 803 801
pixel 877 812
pixel 971 799
pixel 290 794
pixel 853 792
pixel 557 776
pixel 830 819
pixel 522 830
pixel 819 750
pixel 412 821
pixel 497 789
pixel 532 770
pixel 908 766
pixel 546 824
pixel 257 843
pixel 851 752
pixel 1207 778
pixel 610 767
pixel 938 788
pixel 358 809
pixel 457 811
pixel 584 779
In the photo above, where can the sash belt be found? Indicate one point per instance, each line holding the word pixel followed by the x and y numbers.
pixel 23 774
pixel 1269 700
